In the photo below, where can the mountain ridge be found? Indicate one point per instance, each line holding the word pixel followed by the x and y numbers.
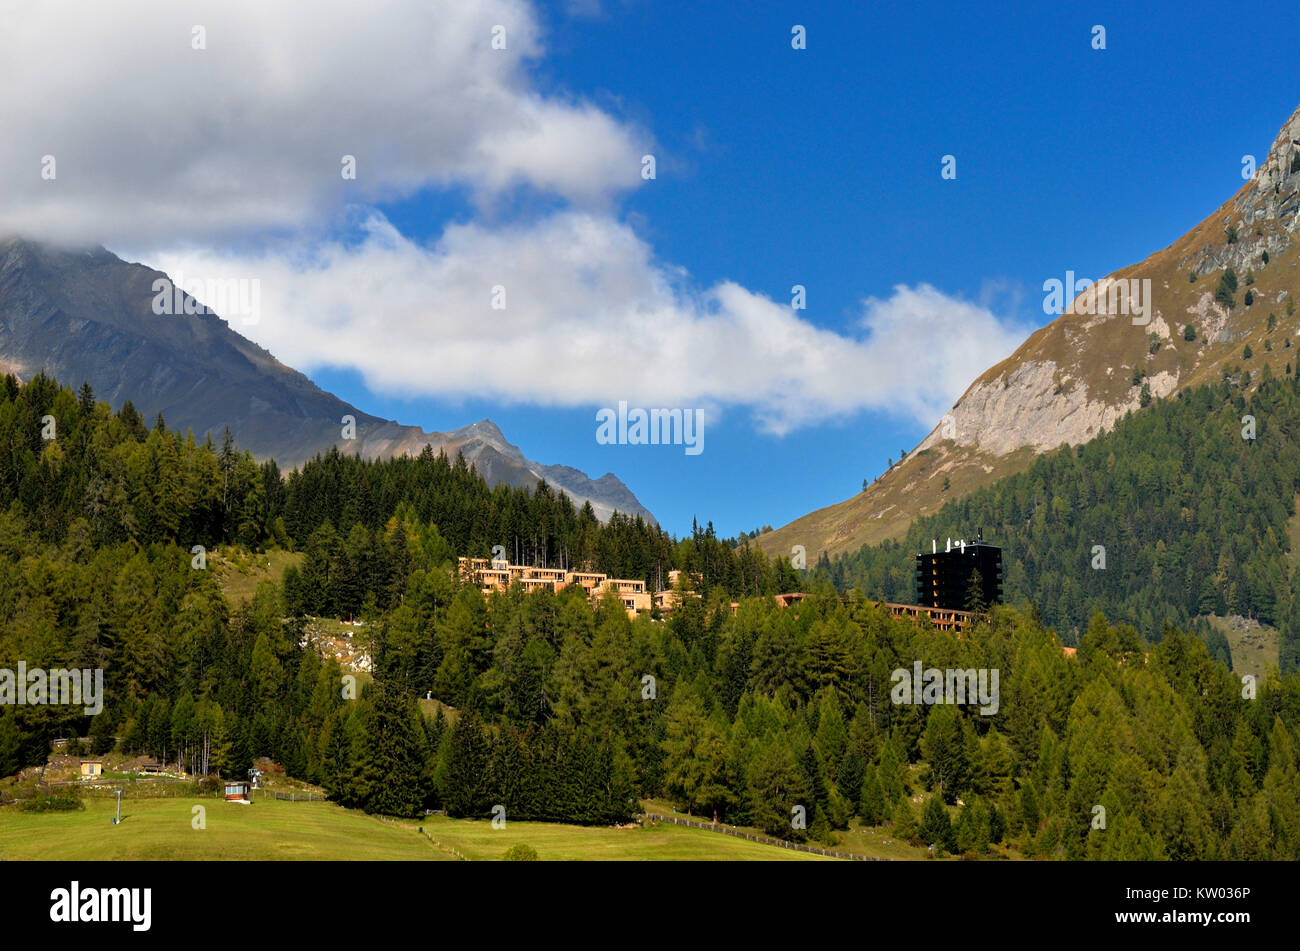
pixel 1076 376
pixel 84 314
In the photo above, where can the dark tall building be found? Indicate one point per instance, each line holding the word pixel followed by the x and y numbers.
pixel 943 577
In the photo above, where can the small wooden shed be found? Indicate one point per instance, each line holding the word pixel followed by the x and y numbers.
pixel 237 790
pixel 92 768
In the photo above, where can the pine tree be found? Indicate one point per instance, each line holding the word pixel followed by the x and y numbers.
pixel 396 753
pixel 463 783
pixel 832 735
pixel 944 750
pixel 776 787
pixel 892 772
pixel 11 751
pixel 219 746
pixel 906 827
pixel 815 777
pixel 976 602
pixel 971 830
pixel 86 405
pixel 936 827
pixel 356 781
pixel 694 759
pixel 851 775
pixel 1029 809
pixel 872 806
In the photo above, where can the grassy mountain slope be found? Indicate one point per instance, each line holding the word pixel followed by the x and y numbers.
pixel 1077 376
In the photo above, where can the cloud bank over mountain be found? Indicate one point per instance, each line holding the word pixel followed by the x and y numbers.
pixel 225 162
pixel 590 318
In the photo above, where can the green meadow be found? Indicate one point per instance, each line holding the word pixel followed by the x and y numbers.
pixel 278 830
pixel 478 840
pixel 162 829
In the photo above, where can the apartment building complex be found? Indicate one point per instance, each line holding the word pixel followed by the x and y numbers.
pixel 489 576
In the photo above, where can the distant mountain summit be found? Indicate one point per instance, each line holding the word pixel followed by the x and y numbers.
pixel 87 315
pixel 1211 296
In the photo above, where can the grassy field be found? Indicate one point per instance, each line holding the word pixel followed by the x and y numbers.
pixel 478 840
pixel 239 573
pixel 875 842
pixel 276 830
pixel 161 829
pixel 1253 645
pixel 430 709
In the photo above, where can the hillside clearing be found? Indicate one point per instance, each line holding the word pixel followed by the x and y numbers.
pixel 478 840
pixel 161 829
pixel 240 572
pixel 269 830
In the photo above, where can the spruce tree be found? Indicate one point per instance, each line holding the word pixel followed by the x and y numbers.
pixel 851 775
pixel 694 759
pixel 776 787
pixel 942 745
pixel 892 772
pixel 906 827
pixel 396 754
pixel 872 806
pixel 936 827
pixel 464 784
pixel 976 602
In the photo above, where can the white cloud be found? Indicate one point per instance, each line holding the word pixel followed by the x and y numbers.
pixel 156 141
pixel 162 146
pixel 591 319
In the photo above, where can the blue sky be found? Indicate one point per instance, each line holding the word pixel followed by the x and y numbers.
pixel 775 167
pixel 822 168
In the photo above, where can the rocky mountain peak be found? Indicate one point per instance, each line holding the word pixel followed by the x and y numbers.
pixel 1272 195
pixel 1083 372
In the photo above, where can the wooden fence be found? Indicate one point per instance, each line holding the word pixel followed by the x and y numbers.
pixel 766 840
pixel 425 832
pixel 445 848
pixel 297 796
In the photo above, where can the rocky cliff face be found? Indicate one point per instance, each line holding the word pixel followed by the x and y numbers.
pixel 1099 360
pixel 1270 202
pixel 85 315
pixel 1060 386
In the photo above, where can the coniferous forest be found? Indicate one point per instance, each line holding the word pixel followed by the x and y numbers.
pixel 1189 499
pixel 559 711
